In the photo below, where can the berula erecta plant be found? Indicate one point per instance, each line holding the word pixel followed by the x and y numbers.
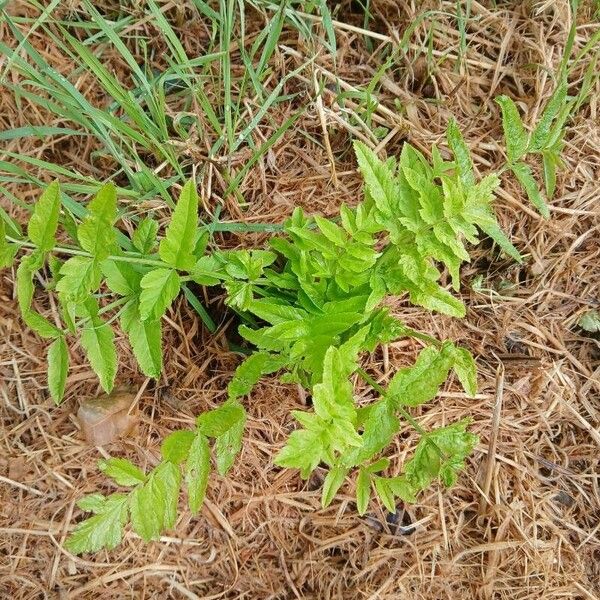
pixel 313 307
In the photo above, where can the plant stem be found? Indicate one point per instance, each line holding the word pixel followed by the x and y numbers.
pixel 126 257
pixel 423 337
pixel 383 393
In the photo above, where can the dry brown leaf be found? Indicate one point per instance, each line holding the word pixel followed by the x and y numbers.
pixel 107 417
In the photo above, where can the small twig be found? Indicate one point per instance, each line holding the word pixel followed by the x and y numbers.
pixel 323 121
pixel 491 454
pixel 21 486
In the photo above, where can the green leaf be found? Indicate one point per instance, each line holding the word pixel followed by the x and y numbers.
pixel 239 294
pixel 590 321
pixel 122 471
pixel 207 271
pixel 177 247
pixel 217 422
pixel 159 288
pixel 176 446
pixel 550 161
pixel 41 325
pixel 144 237
pixel 226 424
pixel 380 425
pixel 97 339
pixel 515 135
pixel 363 491
pixel 58 367
pixel 523 173
pixel 304 450
pixel 440 454
pixel 197 471
pixel 494 231
pixel 276 313
pixel 380 465
pixel 121 277
pixel 229 444
pixel 385 493
pixel 466 370
pixel 25 289
pixel 8 251
pixel 542 133
pixel 96 233
pixel 335 234
pixel 402 488
pixel 28 266
pixel 146 508
pixel 419 383
pixel 79 276
pixel 167 479
pixel 461 152
pixel 44 220
pixel 93 503
pixel 153 505
pixel 103 530
pixel 379 178
pixel 333 481
pixel 247 374
pixel 333 398
pixel 145 338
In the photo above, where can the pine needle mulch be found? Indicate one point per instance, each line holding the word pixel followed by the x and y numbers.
pixel 524 520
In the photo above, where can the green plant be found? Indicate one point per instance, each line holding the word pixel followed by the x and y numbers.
pixel 150 122
pixel 312 306
pixel 546 140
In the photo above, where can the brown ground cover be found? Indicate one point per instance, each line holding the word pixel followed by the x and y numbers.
pixel 522 522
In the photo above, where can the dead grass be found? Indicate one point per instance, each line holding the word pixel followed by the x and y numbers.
pixel 522 523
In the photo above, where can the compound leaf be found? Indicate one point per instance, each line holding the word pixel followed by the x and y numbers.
pixel 542 134
pixel 440 453
pixel 25 289
pixel 8 251
pixel 217 422
pixel 153 505
pixel 228 445
pixel 385 493
pixel 93 503
pixel 167 479
pixel 304 450
pixel 79 276
pixel 121 277
pixel 379 424
pixel 550 161
pixel 466 370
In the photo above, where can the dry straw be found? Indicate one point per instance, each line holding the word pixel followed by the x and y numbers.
pixel 521 524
